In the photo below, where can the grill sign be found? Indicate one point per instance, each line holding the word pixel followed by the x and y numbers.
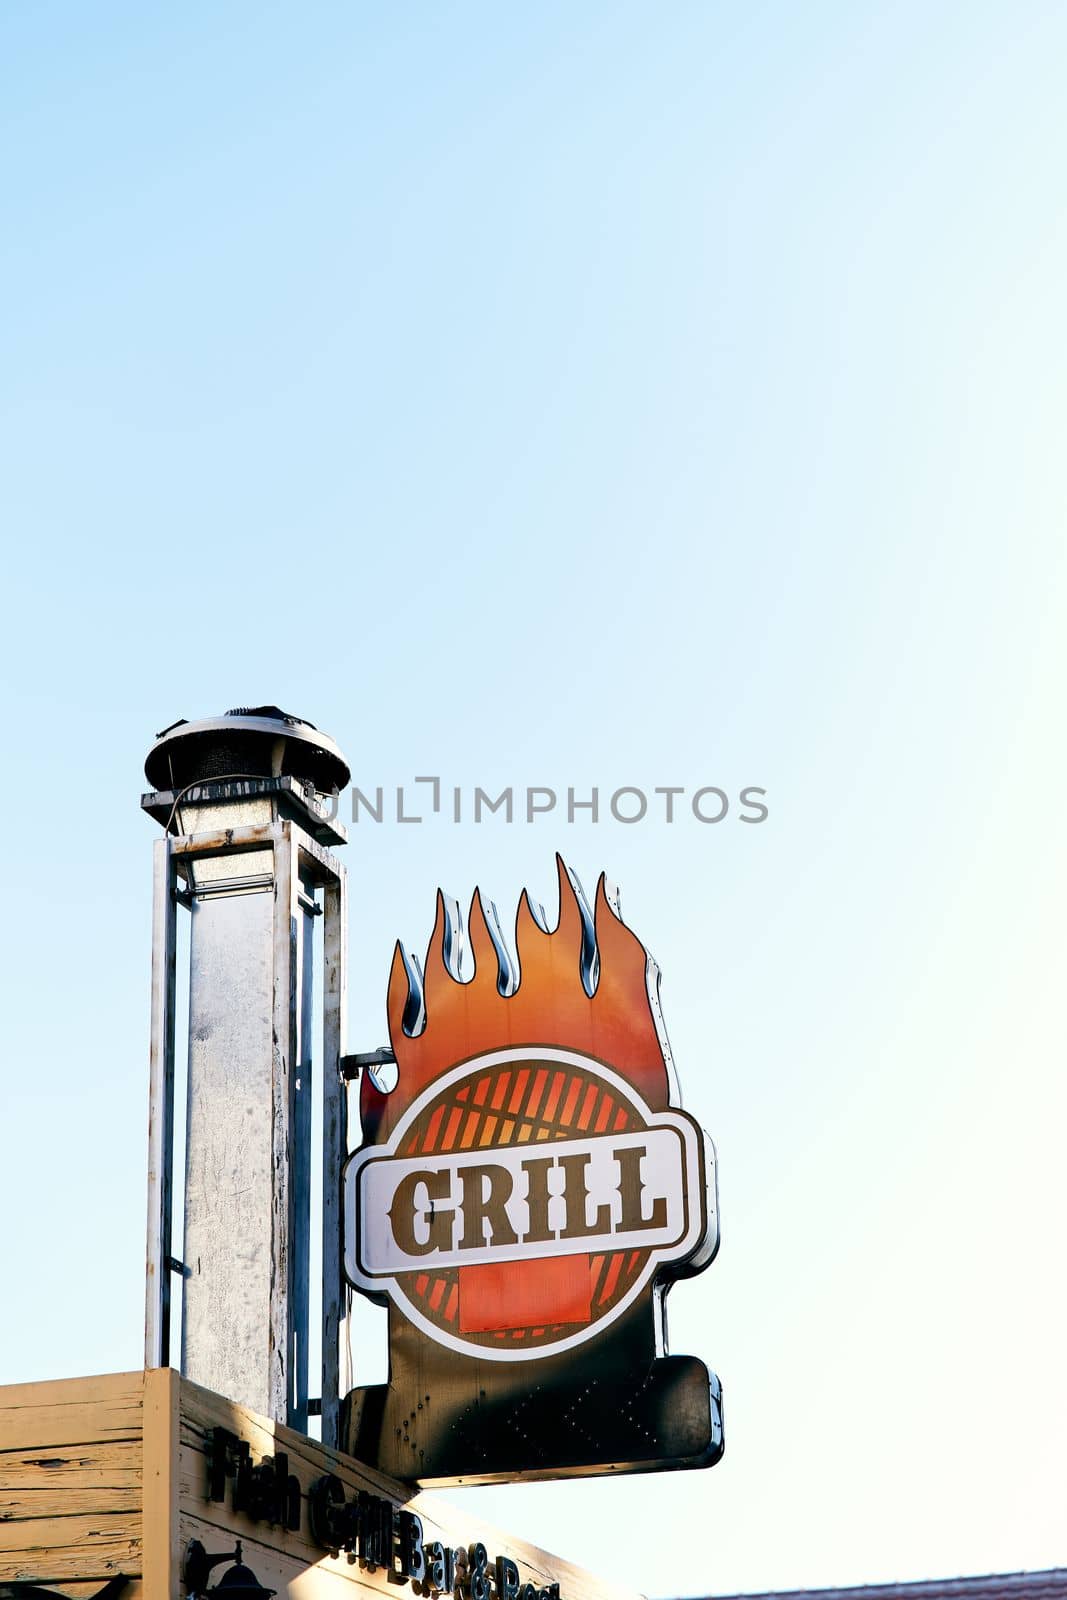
pixel 550 1206
pixel 522 1200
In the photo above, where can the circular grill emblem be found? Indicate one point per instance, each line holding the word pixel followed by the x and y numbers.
pixel 523 1202
pixel 514 1103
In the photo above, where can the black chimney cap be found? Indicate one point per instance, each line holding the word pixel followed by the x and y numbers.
pixel 248 742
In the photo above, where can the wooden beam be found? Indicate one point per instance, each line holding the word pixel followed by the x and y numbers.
pixel 162 1557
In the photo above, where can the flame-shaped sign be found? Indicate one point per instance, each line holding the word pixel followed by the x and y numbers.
pixel 524 1195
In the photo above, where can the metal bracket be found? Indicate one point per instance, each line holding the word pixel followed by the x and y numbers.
pixel 352 1066
pixel 250 883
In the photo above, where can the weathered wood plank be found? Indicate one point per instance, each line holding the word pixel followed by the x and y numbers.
pixel 91 1546
pixel 61 1391
pixel 24 1505
pixel 71 1411
pixel 89 1588
pixel 70 1481
pixel 79 1466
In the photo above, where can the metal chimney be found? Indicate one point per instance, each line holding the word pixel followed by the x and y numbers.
pixel 248 803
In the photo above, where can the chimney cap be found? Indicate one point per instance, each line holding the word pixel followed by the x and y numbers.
pixel 249 741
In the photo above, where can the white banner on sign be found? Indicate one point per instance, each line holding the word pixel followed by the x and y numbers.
pixel 611 1192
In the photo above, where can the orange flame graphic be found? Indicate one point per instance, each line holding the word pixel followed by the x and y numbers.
pixel 589 985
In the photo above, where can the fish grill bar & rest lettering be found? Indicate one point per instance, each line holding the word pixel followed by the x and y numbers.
pixel 375 1531
pixel 366 1527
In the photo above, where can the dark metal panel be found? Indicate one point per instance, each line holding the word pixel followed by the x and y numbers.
pixel 334 1147
pixel 443 1420
pixel 303 1088
pixel 283 1057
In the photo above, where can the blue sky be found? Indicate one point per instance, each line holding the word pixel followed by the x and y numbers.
pixel 574 395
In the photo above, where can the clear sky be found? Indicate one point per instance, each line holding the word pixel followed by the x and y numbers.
pixel 586 395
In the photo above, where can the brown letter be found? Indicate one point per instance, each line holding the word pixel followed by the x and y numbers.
pixel 402 1213
pixel 629 1159
pixel 537 1172
pixel 479 1207
pixel 576 1195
